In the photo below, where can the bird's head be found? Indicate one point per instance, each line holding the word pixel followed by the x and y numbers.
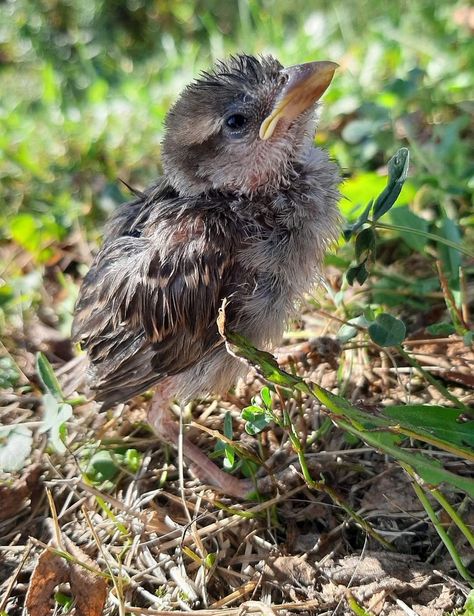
pixel 240 127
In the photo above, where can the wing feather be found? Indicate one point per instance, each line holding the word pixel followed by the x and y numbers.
pixel 148 306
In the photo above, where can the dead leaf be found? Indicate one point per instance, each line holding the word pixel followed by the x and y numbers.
pixel 89 588
pixel 451 355
pixel 378 579
pixel 291 569
pixel 378 567
pixel 377 602
pixel 458 377
pixel 50 571
pixel 14 495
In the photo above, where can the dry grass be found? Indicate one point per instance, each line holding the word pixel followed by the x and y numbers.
pixel 164 546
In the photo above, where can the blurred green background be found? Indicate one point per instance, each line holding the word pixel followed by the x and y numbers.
pixel 85 85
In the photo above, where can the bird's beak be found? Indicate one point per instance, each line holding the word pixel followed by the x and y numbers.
pixel 305 85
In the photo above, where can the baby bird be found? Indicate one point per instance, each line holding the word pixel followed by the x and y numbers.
pixel 245 210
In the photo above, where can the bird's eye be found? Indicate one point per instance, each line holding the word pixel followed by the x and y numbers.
pixel 236 121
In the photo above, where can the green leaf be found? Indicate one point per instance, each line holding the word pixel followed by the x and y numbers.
pixel 241 347
pixel 387 330
pixel 229 451
pixel 357 130
pixel 65 601
pixel 365 244
pixel 442 423
pixel 228 428
pixel 357 189
pixel 24 231
pixel 368 315
pixel 132 460
pixel 256 419
pixel 405 217
pixel 441 329
pixel 377 431
pixel 210 560
pixel 350 229
pixel 249 468
pixel 51 88
pixel 55 415
pixel 468 339
pixel 47 377
pixel 249 412
pixel 229 457
pixel 102 467
pixel 398 171
pixel 9 373
pixel 348 331
pixel 15 447
pixel 357 272
pixel 257 425
pixel 266 396
pixel 469 605
pixel 450 257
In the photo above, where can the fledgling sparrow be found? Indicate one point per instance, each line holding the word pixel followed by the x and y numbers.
pixel 245 210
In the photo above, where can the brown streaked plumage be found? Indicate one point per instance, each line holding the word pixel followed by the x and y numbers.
pixel 245 211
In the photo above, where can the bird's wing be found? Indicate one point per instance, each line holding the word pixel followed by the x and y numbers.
pixel 148 306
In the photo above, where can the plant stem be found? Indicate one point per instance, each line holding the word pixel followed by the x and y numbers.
pixel 323 487
pixel 430 378
pixel 357 609
pixel 426 234
pixel 453 514
pixel 445 538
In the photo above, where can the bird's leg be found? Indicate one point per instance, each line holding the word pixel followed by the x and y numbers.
pixel 165 426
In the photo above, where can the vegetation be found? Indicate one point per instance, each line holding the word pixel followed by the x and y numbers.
pixel 85 88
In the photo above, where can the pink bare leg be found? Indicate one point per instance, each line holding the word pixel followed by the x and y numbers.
pixel 166 427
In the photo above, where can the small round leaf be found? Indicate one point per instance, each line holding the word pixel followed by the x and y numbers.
pixel 15 447
pixel 387 330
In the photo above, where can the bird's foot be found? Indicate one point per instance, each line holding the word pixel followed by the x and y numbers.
pixel 166 427
pixel 209 473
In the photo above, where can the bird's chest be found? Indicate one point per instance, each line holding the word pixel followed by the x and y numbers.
pixel 280 263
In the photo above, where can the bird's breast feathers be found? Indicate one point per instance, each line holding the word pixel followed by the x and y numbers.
pixel 283 254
